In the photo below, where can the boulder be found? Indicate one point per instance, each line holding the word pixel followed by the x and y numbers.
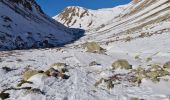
pixel 4 95
pixel 29 73
pixel 155 67
pixel 167 65
pixel 122 64
pixel 50 72
pixel 93 47
pixel 93 63
pixel 59 66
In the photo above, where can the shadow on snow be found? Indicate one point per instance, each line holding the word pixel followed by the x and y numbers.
pixel 74 32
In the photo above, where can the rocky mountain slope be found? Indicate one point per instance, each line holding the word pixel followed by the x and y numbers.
pixel 130 18
pixel 83 18
pixel 143 19
pixel 138 19
pixel 128 58
pixel 24 25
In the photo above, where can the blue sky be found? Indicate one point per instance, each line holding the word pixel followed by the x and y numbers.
pixel 53 7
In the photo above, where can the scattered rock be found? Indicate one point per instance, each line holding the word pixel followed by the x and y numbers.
pixel 64 76
pixel 128 38
pixel 116 77
pixel 23 82
pixel 167 65
pixel 7 69
pixel 163 73
pixel 98 82
pixel 139 75
pixel 148 59
pixel 110 85
pixel 19 60
pixel 55 73
pixel 155 67
pixel 50 71
pixel 134 76
pixel 29 73
pixel 109 81
pixel 60 67
pixel 34 90
pixel 63 70
pixel 93 63
pixel 137 79
pixel 137 57
pixel 59 64
pixel 140 70
pixel 134 98
pixel 93 47
pixel 122 64
pixel 40 71
pixel 4 95
pixel 154 75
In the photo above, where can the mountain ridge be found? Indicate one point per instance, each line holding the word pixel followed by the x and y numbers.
pixel 79 17
pixel 133 19
pixel 29 27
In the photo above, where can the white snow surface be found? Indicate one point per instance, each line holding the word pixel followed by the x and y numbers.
pixel 151 20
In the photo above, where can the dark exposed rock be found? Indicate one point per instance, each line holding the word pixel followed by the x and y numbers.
pixel 4 95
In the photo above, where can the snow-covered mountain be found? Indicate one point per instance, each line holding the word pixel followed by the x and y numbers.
pixel 145 18
pixel 138 18
pixel 24 25
pixel 123 18
pixel 124 57
pixel 79 17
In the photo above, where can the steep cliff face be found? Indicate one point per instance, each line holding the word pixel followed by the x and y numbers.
pixel 23 24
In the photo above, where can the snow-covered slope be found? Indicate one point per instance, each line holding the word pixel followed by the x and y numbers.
pixel 80 85
pixel 122 19
pixel 140 36
pixel 143 19
pixel 24 25
pixel 78 17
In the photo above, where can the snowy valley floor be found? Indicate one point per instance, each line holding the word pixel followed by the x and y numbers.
pixel 80 84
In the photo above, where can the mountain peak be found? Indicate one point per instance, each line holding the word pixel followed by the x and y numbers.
pixel 79 17
pixel 74 7
pixel 70 13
